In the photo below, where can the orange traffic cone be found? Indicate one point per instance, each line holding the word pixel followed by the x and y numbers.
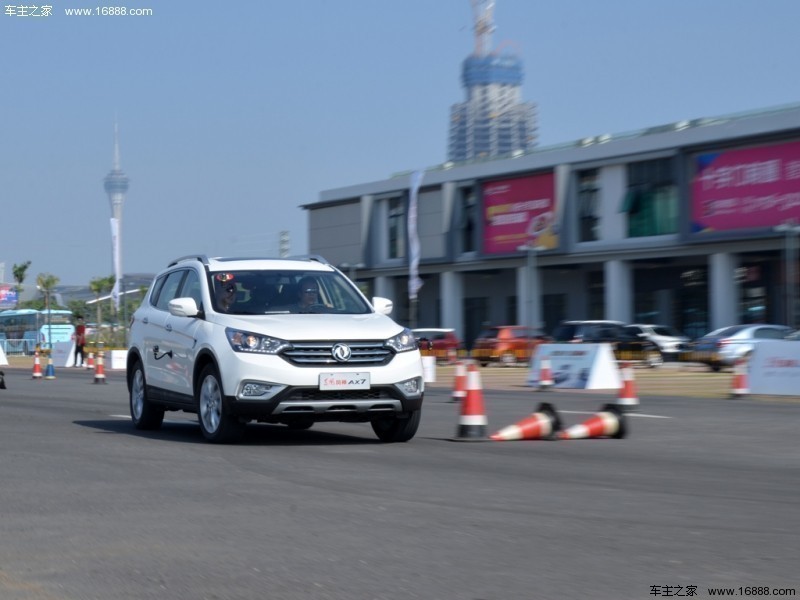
pixel 540 425
pixel 628 398
pixel 739 385
pixel 472 422
pixel 545 374
pixel 37 367
pixel 609 422
pixel 460 383
pixel 100 371
pixel 90 361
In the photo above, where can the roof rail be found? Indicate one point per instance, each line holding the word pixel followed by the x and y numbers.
pixel 201 257
pixel 315 257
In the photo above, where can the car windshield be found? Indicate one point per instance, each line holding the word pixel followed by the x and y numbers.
pixel 270 292
pixel 726 331
pixel 564 332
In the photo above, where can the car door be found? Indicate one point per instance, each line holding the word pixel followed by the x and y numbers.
pixel 180 340
pixel 157 344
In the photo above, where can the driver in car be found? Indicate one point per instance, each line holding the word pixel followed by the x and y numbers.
pixel 307 294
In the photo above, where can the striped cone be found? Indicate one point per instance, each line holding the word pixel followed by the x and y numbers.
pixel 608 422
pixel 739 385
pixel 540 425
pixel 90 361
pixel 472 422
pixel 628 399
pixel 100 371
pixel 460 383
pixel 50 371
pixel 545 374
pixel 37 367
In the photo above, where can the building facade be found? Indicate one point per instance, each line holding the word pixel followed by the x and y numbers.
pixel 693 224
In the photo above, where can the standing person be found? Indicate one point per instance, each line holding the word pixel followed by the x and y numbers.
pixel 80 341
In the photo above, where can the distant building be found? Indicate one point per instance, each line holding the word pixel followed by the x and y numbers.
pixel 493 120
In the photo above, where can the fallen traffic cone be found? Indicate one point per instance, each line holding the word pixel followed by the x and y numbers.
pixel 99 371
pixel 545 375
pixel 460 383
pixel 37 367
pixel 90 361
pixel 50 371
pixel 472 422
pixel 739 385
pixel 628 399
pixel 540 425
pixel 609 422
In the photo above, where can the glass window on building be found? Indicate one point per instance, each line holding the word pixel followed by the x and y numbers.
pixel 467 219
pixel 597 299
pixel 651 199
pixel 397 228
pixel 589 218
pixel 692 317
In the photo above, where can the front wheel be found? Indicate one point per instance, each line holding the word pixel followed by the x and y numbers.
pixel 144 414
pixel 397 429
pixel 217 425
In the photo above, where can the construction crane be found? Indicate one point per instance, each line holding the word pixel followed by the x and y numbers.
pixel 484 25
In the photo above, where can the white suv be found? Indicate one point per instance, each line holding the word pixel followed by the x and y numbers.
pixel 236 340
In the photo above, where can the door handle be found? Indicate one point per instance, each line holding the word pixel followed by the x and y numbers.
pixel 168 327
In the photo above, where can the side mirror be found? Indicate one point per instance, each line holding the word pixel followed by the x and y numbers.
pixel 183 307
pixel 382 306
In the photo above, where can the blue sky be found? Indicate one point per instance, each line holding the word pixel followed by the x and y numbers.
pixel 232 115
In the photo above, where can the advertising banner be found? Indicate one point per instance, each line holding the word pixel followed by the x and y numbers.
pixel 520 211
pixel 774 368
pixel 8 296
pixel 577 366
pixel 747 188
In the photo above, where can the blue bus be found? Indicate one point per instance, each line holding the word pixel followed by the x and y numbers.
pixel 21 330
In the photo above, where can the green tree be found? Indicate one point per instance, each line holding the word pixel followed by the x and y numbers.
pixel 46 283
pixel 99 286
pixel 19 272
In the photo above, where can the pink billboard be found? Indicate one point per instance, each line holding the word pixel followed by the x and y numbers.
pixel 747 188
pixel 520 212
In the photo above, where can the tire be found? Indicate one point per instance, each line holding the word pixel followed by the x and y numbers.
pixel 397 429
pixel 509 359
pixel 216 423
pixel 654 359
pixel 144 414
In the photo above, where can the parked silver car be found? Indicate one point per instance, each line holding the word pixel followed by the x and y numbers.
pixel 669 341
pixel 723 347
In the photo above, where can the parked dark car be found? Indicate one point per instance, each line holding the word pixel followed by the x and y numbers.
pixel 506 344
pixel 627 346
pixel 723 347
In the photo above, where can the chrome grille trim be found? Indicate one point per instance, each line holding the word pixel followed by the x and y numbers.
pixel 314 354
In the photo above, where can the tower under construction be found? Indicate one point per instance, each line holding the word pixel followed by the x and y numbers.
pixel 493 121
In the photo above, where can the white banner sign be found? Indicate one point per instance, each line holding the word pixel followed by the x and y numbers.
pixel 577 366
pixel 774 368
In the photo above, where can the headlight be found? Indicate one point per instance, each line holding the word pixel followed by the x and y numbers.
pixel 244 341
pixel 403 341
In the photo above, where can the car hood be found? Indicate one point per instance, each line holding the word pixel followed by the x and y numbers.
pixel 371 326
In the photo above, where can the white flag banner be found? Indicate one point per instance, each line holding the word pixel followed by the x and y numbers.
pixel 117 261
pixel 414 282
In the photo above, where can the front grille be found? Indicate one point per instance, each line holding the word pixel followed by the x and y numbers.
pixel 316 354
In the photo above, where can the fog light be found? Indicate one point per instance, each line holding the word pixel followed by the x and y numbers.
pixel 411 387
pixel 259 390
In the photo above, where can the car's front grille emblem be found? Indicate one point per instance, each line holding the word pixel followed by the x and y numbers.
pixel 341 352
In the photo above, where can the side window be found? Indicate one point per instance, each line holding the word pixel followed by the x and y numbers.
pixel 170 288
pixel 191 288
pixel 159 283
